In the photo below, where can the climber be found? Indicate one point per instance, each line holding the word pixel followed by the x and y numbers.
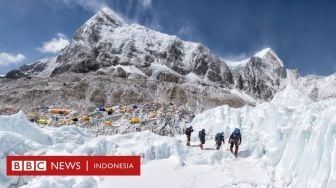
pixel 235 139
pixel 188 132
pixel 219 138
pixel 201 135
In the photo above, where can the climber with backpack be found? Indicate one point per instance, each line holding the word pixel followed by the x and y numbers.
pixel 201 135
pixel 188 132
pixel 219 138
pixel 235 140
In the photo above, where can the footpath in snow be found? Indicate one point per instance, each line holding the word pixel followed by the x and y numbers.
pixel 207 168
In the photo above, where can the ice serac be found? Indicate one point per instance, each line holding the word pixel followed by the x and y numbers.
pixel 318 87
pixel 292 134
pixel 262 75
pixel 17 123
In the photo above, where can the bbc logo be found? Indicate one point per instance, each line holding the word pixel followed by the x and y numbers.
pixel 29 165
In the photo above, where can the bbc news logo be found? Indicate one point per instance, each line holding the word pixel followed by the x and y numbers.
pixel 73 165
pixel 29 165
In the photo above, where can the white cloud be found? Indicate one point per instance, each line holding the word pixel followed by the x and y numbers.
pixel 91 5
pixel 185 30
pixel 55 45
pixel 236 57
pixel 7 58
pixel 95 5
pixel 146 3
pixel 136 9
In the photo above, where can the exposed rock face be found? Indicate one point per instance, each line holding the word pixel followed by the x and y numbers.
pixel 261 76
pixel 177 95
pixel 77 89
pixel 98 97
pixel 15 74
pixel 168 77
pixel 32 69
pixel 121 72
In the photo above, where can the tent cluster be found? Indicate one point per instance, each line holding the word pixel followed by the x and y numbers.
pixel 56 116
pixel 125 118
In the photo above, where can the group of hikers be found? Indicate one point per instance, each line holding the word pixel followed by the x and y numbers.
pixel 234 140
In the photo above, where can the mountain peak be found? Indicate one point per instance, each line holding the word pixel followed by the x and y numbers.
pixel 111 14
pixel 268 53
pixel 105 20
pixel 262 53
pixel 108 15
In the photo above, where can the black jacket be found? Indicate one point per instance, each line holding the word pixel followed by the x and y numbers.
pixel 188 131
pixel 235 138
pixel 201 135
pixel 219 138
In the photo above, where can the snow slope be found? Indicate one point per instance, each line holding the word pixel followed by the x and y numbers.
pixel 288 142
pixel 236 64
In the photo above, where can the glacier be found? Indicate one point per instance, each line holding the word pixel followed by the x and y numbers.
pixel 287 142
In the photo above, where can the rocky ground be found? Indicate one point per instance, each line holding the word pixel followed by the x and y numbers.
pixel 91 90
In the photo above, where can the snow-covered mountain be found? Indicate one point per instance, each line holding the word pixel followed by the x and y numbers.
pixel 261 75
pixel 106 40
pixel 106 45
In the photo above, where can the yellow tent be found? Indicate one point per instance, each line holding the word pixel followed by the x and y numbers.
pixel 42 121
pixel 108 123
pixel 109 109
pixel 134 120
pixel 32 116
pixel 86 118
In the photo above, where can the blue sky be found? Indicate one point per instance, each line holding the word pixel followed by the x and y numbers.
pixel 302 32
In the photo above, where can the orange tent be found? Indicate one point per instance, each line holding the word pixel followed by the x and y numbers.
pixel 60 111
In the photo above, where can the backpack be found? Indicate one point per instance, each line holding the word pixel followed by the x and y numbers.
pixel 201 133
pixel 236 134
pixel 188 131
pixel 219 137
